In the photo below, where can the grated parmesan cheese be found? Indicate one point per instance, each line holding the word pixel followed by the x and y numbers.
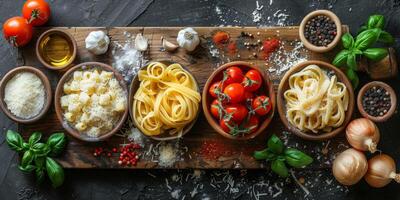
pixel 25 95
pixel 167 155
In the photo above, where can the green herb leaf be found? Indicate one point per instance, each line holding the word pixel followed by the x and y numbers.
pixel 279 167
pixel 55 172
pixel 275 144
pixel 34 138
pixel 27 169
pixel 353 78
pixel 362 28
pixel 367 38
pixel 27 158
pixel 386 37
pixel 341 58
pixel 375 54
pixel 40 149
pixel 296 158
pixel 376 21
pixel 56 142
pixel 39 172
pixel 351 61
pixel 265 154
pixel 347 40
pixel 14 141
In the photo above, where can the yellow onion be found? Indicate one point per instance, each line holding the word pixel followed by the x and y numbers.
pixel 362 134
pixel 349 167
pixel 381 171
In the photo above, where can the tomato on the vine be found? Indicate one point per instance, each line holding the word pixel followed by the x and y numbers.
pixel 252 124
pixel 226 124
pixel 17 31
pixel 215 109
pixel 213 89
pixel 233 75
pixel 234 92
pixel 252 80
pixel 37 12
pixel 261 105
pixel 237 112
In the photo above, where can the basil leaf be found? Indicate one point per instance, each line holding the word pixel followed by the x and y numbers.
pixel 375 54
pixel 296 158
pixel 27 158
pixel 341 58
pixel 56 143
pixel 347 40
pixel 353 77
pixel 39 175
pixel 376 21
pixel 275 144
pixel 27 169
pixel 367 38
pixel 279 168
pixel 261 155
pixel 351 61
pixel 34 138
pixel 385 37
pixel 40 149
pixel 55 172
pixel 14 141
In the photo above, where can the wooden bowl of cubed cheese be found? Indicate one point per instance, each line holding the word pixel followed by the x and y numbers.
pixel 91 101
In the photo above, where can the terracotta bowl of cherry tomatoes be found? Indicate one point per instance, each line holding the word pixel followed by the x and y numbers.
pixel 238 100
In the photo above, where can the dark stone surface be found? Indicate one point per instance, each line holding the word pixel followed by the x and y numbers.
pixel 140 184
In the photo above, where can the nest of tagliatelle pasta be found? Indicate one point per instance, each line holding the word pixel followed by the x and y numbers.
pixel 166 102
pixel 316 101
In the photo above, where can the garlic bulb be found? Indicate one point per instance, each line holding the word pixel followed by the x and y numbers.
pixel 188 39
pixel 141 43
pixel 97 42
pixel 349 167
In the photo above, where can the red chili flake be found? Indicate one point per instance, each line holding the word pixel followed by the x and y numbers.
pixel 232 47
pixel 220 37
pixel 270 46
pixel 212 150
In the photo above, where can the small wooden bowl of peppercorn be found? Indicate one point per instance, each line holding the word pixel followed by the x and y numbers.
pixel 320 31
pixel 376 101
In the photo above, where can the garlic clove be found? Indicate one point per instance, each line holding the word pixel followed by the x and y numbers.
pixel 141 43
pixel 168 46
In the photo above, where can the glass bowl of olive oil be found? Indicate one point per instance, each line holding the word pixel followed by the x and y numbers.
pixel 56 49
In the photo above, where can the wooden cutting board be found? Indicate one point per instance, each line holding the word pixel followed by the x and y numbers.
pixel 201 63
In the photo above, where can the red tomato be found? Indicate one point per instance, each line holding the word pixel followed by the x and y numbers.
pixel 252 80
pixel 233 75
pixel 261 105
pixel 215 110
pixel 224 125
pixel 235 92
pixel 37 12
pixel 213 88
pixel 17 31
pixel 252 124
pixel 248 96
pixel 238 112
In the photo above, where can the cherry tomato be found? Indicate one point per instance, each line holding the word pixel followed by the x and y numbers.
pixel 223 123
pixel 37 12
pixel 213 87
pixel 17 31
pixel 252 124
pixel 248 96
pixel 261 105
pixel 215 110
pixel 234 75
pixel 238 112
pixel 252 80
pixel 235 92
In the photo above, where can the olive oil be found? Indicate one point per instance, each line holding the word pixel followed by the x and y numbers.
pixel 56 49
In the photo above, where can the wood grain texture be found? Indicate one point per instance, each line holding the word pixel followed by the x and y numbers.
pixel 201 64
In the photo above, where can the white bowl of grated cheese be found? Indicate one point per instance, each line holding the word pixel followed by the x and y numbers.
pixel 25 94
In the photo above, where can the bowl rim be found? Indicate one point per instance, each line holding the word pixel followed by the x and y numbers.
pixel 132 92
pixel 281 105
pixel 47 86
pixel 330 46
pixel 270 92
pixel 59 92
pixel 393 101
pixel 69 37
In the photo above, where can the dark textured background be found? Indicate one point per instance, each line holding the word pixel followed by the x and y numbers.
pixel 138 184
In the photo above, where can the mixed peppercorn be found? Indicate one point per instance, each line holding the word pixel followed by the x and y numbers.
pixel 320 30
pixel 376 101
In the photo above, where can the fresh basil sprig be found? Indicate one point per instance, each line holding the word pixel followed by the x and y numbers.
pixel 35 155
pixel 278 154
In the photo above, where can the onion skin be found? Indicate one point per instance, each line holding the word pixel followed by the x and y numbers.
pixel 381 171
pixel 350 166
pixel 362 134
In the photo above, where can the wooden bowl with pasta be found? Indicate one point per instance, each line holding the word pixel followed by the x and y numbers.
pixel 329 101
pixel 180 116
pixel 102 116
